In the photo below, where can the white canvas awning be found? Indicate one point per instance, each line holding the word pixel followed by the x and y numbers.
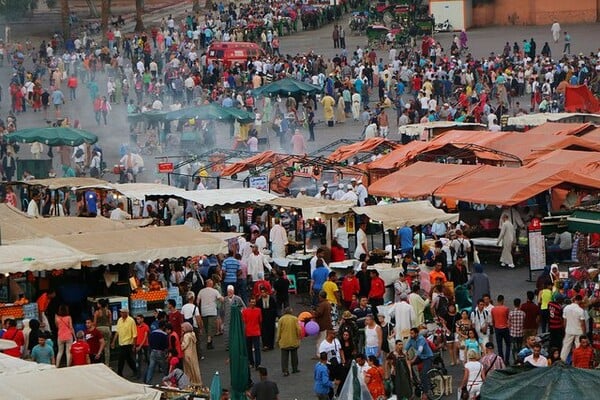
pixel 408 213
pixel 208 198
pixel 312 207
pixel 86 382
pixel 151 243
pixel 43 254
pixel 10 365
pixel 541 118
pixel 74 182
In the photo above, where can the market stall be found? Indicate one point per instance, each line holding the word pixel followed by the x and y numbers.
pixel 409 213
pixel 86 382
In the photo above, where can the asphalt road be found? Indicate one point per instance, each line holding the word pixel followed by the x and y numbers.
pixel 511 283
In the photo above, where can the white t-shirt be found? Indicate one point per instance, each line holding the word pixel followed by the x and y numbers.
pixel 341 236
pixel 190 310
pixel 207 298
pixel 332 349
pixel 118 215
pixel 541 361
pixel 361 238
pixel 573 314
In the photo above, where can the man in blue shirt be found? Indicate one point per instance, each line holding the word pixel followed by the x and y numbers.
pixel 322 382
pixel 42 353
pixel 405 239
pixel 423 354
pixel 159 344
pixel 230 266
pixel 318 278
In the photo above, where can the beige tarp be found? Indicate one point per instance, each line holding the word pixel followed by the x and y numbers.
pixel 541 118
pixel 151 243
pixel 40 255
pixel 11 365
pixel 86 382
pixel 208 198
pixel 312 207
pixel 75 182
pixel 16 225
pixel 408 213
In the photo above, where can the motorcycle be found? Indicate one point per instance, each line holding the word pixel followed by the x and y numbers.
pixel 445 26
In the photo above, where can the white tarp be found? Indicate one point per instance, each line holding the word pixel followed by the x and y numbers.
pixel 542 118
pixel 86 382
pixel 150 243
pixel 312 207
pixel 12 365
pixel 208 198
pixel 42 254
pixel 408 213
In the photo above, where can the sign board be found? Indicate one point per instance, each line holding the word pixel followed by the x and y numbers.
pixel 537 245
pixel 165 167
pixel 259 182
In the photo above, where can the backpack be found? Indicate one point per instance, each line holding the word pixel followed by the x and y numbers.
pixel 461 249
pixel 441 308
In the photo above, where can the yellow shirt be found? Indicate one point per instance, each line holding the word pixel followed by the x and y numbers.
pixel 127 331
pixel 330 288
pixel 545 298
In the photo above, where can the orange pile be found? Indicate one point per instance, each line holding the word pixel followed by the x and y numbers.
pixel 154 295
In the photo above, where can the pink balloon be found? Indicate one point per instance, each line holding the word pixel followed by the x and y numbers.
pixel 302 329
pixel 312 328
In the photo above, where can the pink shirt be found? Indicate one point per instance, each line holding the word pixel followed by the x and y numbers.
pixel 298 144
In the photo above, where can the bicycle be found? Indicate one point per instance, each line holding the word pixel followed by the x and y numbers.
pixel 435 377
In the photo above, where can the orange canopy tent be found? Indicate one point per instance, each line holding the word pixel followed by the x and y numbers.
pixel 562 128
pixel 511 186
pixel 397 158
pixel 419 179
pixel 345 152
pixel 255 161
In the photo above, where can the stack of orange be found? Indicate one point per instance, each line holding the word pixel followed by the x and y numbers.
pixel 154 295
pixel 11 311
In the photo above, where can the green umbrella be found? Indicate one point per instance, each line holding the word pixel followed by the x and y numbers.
pixel 215 387
pixel 212 111
pixel 60 136
pixel 238 356
pixel 287 87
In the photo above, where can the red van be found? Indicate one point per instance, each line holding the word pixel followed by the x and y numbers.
pixel 233 52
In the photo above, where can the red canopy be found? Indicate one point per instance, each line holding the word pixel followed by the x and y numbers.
pixel 345 152
pixel 578 98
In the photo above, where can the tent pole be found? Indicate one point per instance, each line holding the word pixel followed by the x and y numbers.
pixel 304 235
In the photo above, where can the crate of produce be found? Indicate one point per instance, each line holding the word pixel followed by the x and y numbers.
pixel 150 296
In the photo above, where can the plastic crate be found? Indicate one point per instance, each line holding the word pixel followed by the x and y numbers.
pixel 30 311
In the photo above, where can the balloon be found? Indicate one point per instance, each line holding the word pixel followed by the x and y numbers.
pixel 302 330
pixel 311 328
pixel 304 316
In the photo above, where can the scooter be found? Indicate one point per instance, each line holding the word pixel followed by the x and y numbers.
pixel 445 26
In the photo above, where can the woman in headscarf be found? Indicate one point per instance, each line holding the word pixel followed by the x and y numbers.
pixel 340 114
pixel 190 356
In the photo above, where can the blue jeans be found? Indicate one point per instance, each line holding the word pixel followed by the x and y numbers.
pixel 156 357
pixel 427 364
pixel 503 336
pixel 253 356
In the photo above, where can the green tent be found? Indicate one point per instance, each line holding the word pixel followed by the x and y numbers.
pixel 210 111
pixel 559 381
pixel 587 221
pixel 239 369
pixel 51 136
pixel 287 87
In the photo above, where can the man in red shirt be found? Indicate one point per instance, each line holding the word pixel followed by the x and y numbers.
pixel 583 355
pixel 16 335
pixel 141 342
pixel 501 328
pixel 350 286
pixel 252 317
pixel 175 316
pixel 532 316
pixel 95 340
pixel 377 290
pixel 80 350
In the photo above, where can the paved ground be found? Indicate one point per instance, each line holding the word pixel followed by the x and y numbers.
pixel 482 41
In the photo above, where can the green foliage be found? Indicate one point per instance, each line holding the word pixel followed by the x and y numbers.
pixel 17 8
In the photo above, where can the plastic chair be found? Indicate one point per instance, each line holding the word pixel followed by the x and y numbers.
pixel 293 288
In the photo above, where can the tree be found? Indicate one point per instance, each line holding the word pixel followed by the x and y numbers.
pixel 105 12
pixel 17 8
pixel 196 5
pixel 139 13
pixel 64 17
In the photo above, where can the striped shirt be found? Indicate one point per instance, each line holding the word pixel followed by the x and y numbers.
pixel 515 322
